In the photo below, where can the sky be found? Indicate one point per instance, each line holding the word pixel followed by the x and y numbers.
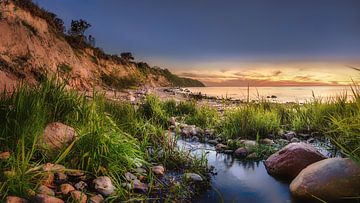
pixel 230 42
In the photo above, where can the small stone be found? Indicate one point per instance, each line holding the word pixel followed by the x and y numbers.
pixel 4 155
pixel 96 199
pixel 60 177
pixel 14 199
pixel 267 141
pixel 66 188
pixel 57 135
pixel 78 196
pixel 45 190
pixel 289 135
pixel 81 185
pixel 241 152
pixel 193 177
pixel 295 140
pixel 221 147
pixel 172 121
pixel 248 143
pixel 41 198
pixel 252 156
pixel 158 170
pixel 49 167
pixel 104 185
pixel 195 139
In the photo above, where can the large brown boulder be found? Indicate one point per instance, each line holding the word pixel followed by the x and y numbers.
pixel 57 135
pixel 290 160
pixel 329 179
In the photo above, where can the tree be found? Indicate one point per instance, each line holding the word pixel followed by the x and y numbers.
pixel 127 56
pixel 78 28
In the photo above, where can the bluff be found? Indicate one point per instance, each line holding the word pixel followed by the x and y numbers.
pixel 33 45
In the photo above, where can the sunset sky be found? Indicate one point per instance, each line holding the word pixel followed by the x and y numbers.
pixel 230 42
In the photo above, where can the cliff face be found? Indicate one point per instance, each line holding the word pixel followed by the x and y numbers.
pixel 31 49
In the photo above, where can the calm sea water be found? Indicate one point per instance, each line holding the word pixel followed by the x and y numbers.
pixel 283 94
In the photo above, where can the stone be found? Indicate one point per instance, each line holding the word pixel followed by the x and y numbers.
pixel 130 177
pixel 290 160
pixel 104 185
pixel 252 156
pixel 241 152
pixel 41 198
pixel 78 196
pixel 172 121
pixel 42 189
pixel 57 135
pixel 228 151
pixel 294 140
pixel 49 167
pixel 209 132
pixel 81 185
pixel 66 188
pixel 221 147
pixel 60 177
pixel 248 143
pixel 96 199
pixel 193 177
pixel 330 179
pixel 4 155
pixel 214 142
pixel 139 186
pixel 14 199
pixel 311 140
pixel 158 170
pixel 195 139
pixel 267 141
pixel 289 135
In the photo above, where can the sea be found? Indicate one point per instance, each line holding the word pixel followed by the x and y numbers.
pixel 300 94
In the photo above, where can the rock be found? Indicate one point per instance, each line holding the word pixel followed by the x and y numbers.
pixel 14 199
pixel 188 130
pixel 78 196
pixel 221 147
pixel 209 132
pixel 214 142
pixel 41 198
pixel 241 152
pixel 45 190
pixel 104 185
pixel 4 155
pixel 60 177
pixel 228 151
pixel 66 188
pixel 81 185
pixel 158 170
pixel 139 186
pixel 294 140
pixel 290 160
pixel 311 140
pixel 267 141
pixel 195 139
pixel 131 98
pixel 289 135
pixel 49 167
pixel 248 143
pixel 96 199
pixel 193 177
pixel 130 177
pixel 330 179
pixel 57 135
pixel 252 156
pixel 172 121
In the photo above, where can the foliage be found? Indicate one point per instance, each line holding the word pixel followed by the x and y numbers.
pixel 119 83
pixel 78 28
pixel 127 56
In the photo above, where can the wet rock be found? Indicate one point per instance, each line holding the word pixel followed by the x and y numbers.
pixel 4 155
pixel 130 176
pixel 252 156
pixel 104 185
pixel 66 188
pixel 213 142
pixel 193 177
pixel 14 199
pixel 241 152
pixel 45 190
pixel 330 179
pixel 81 185
pixel 289 135
pixel 78 196
pixel 158 170
pixel 294 140
pixel 41 198
pixel 267 141
pixel 290 160
pixel 220 147
pixel 57 135
pixel 96 199
pixel 139 186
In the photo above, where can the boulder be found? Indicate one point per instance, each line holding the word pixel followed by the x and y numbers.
pixel 241 152
pixel 329 179
pixel 57 135
pixel 158 170
pixel 41 198
pixel 290 160
pixel 193 177
pixel 104 185
pixel 78 196
pixel 66 188
pixel 14 199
